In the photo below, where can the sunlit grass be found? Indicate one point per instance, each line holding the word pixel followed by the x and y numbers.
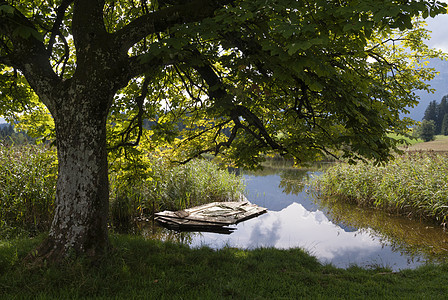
pixel 405 141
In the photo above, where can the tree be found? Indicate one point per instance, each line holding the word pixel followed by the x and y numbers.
pixel 431 112
pixel 442 111
pixel 299 78
pixel 426 130
pixel 436 112
pixel 444 130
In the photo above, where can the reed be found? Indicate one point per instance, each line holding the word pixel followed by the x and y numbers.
pixel 28 177
pixel 413 184
pixel 168 187
pixel 27 189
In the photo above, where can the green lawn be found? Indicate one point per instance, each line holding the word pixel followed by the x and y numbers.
pixel 146 269
pixel 440 144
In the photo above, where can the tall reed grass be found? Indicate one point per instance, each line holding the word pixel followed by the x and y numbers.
pixel 161 186
pixel 413 184
pixel 27 189
pixel 138 188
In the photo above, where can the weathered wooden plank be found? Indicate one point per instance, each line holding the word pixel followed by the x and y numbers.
pixel 187 225
pixel 211 215
pixel 225 213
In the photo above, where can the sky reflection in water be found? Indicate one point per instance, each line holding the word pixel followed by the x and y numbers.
pixel 294 220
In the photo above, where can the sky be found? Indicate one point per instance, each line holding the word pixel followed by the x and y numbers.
pixel 439 34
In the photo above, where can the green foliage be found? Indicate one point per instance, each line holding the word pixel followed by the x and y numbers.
pixel 296 77
pixel 438 113
pixel 426 130
pixel 413 184
pixel 241 78
pixel 27 189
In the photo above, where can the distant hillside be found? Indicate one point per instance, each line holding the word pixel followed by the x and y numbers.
pixel 439 83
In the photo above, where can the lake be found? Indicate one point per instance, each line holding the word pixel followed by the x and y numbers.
pixel 335 233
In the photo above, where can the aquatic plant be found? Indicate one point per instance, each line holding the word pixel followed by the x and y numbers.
pixel 413 184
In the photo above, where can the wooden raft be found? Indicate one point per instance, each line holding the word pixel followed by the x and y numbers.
pixel 212 217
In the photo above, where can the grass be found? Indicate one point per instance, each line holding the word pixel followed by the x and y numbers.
pixel 148 269
pixel 412 184
pixel 440 144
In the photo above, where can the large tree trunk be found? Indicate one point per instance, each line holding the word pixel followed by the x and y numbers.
pixel 82 196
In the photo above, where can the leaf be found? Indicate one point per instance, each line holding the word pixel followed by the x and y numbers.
pixel 6 9
pixel 303 45
pixel 26 32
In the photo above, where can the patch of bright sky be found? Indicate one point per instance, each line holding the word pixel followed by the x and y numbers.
pixel 439 31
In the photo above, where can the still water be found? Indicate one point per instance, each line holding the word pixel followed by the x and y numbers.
pixel 335 233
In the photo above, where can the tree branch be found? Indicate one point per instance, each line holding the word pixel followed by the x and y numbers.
pixel 218 92
pixel 28 54
pixel 218 146
pixel 88 26
pixel 55 31
pixel 136 122
pixel 161 20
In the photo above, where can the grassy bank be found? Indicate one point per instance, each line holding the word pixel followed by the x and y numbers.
pixel 146 269
pixel 413 184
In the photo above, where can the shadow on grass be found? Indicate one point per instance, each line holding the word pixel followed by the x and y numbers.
pixel 139 268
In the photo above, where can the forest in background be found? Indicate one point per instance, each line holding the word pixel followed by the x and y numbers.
pixel 9 136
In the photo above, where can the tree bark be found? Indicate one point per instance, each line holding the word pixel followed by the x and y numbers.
pixel 82 194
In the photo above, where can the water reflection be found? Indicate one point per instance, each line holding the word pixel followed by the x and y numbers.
pixel 276 189
pixel 414 237
pixel 295 226
pixel 333 232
